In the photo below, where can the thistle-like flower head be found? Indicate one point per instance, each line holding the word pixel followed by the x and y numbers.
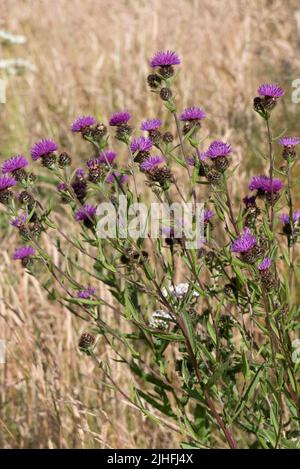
pixel 218 148
pixel 141 144
pixel 151 162
pixel 107 156
pixel 289 141
pixel 85 212
pixel 270 90
pixel 6 182
pixel 151 124
pixel 192 114
pixel 244 242
pixel 23 252
pixel 165 59
pixel 14 163
pixel 82 123
pixel 43 147
pixel 119 118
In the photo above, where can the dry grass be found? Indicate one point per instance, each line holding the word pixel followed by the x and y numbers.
pixel 91 56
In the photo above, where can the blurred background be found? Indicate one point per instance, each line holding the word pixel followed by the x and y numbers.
pixel 64 58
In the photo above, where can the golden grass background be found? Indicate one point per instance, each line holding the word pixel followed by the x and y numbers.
pixel 92 56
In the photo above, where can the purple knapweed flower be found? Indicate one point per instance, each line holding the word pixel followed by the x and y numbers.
pixel 208 214
pixel 14 163
pixel 270 90
pixel 23 252
pixel 86 212
pixel 42 148
pixel 192 114
pixel 82 123
pixel 218 149
pixel 151 162
pixel 111 178
pixel 264 183
pixel 151 124
pixel 141 144
pixel 62 186
pixel 265 264
pixel 165 59
pixel 107 156
pixel 289 141
pixel 285 217
pixel 244 242
pixel 19 220
pixel 6 182
pixel 92 162
pixel 80 173
pixel 119 118
pixel 86 294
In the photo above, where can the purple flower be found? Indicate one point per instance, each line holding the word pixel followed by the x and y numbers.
pixel 192 113
pixel 249 201
pixel 119 118
pixel 151 162
pixel 289 141
pixel 270 90
pixel 263 183
pixel 111 178
pixel 80 173
pixel 165 59
pixel 285 217
pixel 141 144
pixel 82 122
pixel 62 186
pixel 245 242
pixel 87 293
pixel 23 252
pixel 208 214
pixel 151 124
pixel 265 264
pixel 92 163
pixel 43 147
pixel 86 212
pixel 217 149
pixel 107 156
pixel 14 163
pixel 6 182
pixel 19 220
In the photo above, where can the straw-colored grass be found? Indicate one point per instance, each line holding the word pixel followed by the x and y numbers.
pixel 92 56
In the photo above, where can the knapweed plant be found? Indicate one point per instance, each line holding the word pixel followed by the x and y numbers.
pixel 207 316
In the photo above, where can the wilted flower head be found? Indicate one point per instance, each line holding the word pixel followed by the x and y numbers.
pixel 23 252
pixel 19 220
pixel 178 291
pixel 14 163
pixel 107 156
pixel 141 144
pixel 43 147
pixel 6 182
pixel 119 118
pixel 289 141
pixel 82 123
pixel 208 214
pixel 160 319
pixel 265 184
pixel 87 293
pixel 285 217
pixel 165 59
pixel 85 212
pixel 244 242
pixel 151 162
pixel 270 90
pixel 191 114
pixel 151 124
pixel 111 178
pixel 265 264
pixel 217 149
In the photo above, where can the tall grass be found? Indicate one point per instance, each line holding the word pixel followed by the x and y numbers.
pixel 92 55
